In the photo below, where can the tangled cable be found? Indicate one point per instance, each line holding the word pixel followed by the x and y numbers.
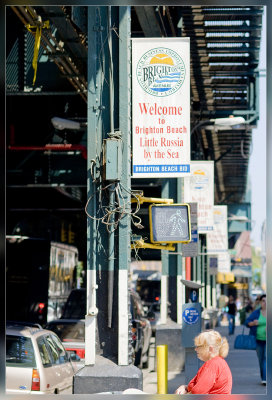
pixel 120 209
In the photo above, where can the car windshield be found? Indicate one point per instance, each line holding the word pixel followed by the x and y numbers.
pixel 149 290
pixel 74 332
pixel 156 307
pixel 75 306
pixel 19 352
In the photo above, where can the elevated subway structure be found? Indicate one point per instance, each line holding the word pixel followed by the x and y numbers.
pixel 47 179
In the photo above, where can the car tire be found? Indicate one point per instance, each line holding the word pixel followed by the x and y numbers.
pixel 146 363
pixel 138 358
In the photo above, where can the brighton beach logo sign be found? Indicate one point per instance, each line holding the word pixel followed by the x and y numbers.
pixel 160 72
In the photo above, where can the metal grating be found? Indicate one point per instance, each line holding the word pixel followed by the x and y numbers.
pixel 225 46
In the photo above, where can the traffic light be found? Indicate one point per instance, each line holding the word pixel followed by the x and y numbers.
pixel 63 233
pixel 71 235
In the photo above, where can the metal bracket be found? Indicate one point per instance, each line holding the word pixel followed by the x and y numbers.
pixel 100 108
pixel 141 244
pixel 141 199
pixel 98 28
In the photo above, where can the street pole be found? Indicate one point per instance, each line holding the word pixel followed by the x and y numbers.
pixel 124 231
pixel 208 286
pixel 165 264
pixel 169 332
pixel 107 365
pixel 180 286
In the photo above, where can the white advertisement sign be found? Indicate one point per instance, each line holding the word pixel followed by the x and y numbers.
pixel 161 107
pixel 199 187
pixel 217 240
pixel 224 262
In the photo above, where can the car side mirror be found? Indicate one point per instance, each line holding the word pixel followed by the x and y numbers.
pixel 74 357
pixel 151 315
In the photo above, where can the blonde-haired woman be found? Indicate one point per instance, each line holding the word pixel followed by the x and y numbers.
pixel 214 377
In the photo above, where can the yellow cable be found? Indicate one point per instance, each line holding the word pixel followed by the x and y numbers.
pixel 37 44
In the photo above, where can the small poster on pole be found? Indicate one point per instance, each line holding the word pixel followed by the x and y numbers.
pixel 191 249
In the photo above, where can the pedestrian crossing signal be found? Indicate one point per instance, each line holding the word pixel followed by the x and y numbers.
pixel 71 235
pixel 63 234
pixel 170 223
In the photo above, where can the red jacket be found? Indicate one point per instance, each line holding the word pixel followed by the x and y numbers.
pixel 214 377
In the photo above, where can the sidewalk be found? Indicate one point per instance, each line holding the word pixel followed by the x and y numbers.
pixel 243 364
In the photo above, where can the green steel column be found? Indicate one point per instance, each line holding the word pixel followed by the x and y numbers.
pixel 198 270
pixel 202 275
pixel 124 231
pixel 111 190
pixel 171 189
pixel 94 137
pixel 107 357
pixel 208 284
pixel 165 265
pixel 180 286
pixel 99 125
pixel 174 259
pixel 194 268
pixel 213 291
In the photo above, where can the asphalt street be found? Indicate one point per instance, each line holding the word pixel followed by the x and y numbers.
pixel 243 364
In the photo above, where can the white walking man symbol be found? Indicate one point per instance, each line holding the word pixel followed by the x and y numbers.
pixel 177 220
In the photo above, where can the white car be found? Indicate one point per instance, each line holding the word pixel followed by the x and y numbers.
pixel 72 335
pixel 36 361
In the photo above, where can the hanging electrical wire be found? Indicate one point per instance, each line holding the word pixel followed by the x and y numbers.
pixel 121 207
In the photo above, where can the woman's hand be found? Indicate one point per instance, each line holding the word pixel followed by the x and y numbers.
pixel 253 323
pixel 181 390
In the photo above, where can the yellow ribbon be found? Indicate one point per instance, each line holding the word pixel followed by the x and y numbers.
pixel 37 44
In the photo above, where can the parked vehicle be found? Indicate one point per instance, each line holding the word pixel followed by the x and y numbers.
pixel 148 284
pixel 72 335
pixel 154 315
pixel 41 274
pixel 141 331
pixel 75 308
pixel 36 361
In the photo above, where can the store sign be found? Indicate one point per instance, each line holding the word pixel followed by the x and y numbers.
pixel 161 107
pixel 199 187
pixel 217 239
pixel 213 265
pixel 223 260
